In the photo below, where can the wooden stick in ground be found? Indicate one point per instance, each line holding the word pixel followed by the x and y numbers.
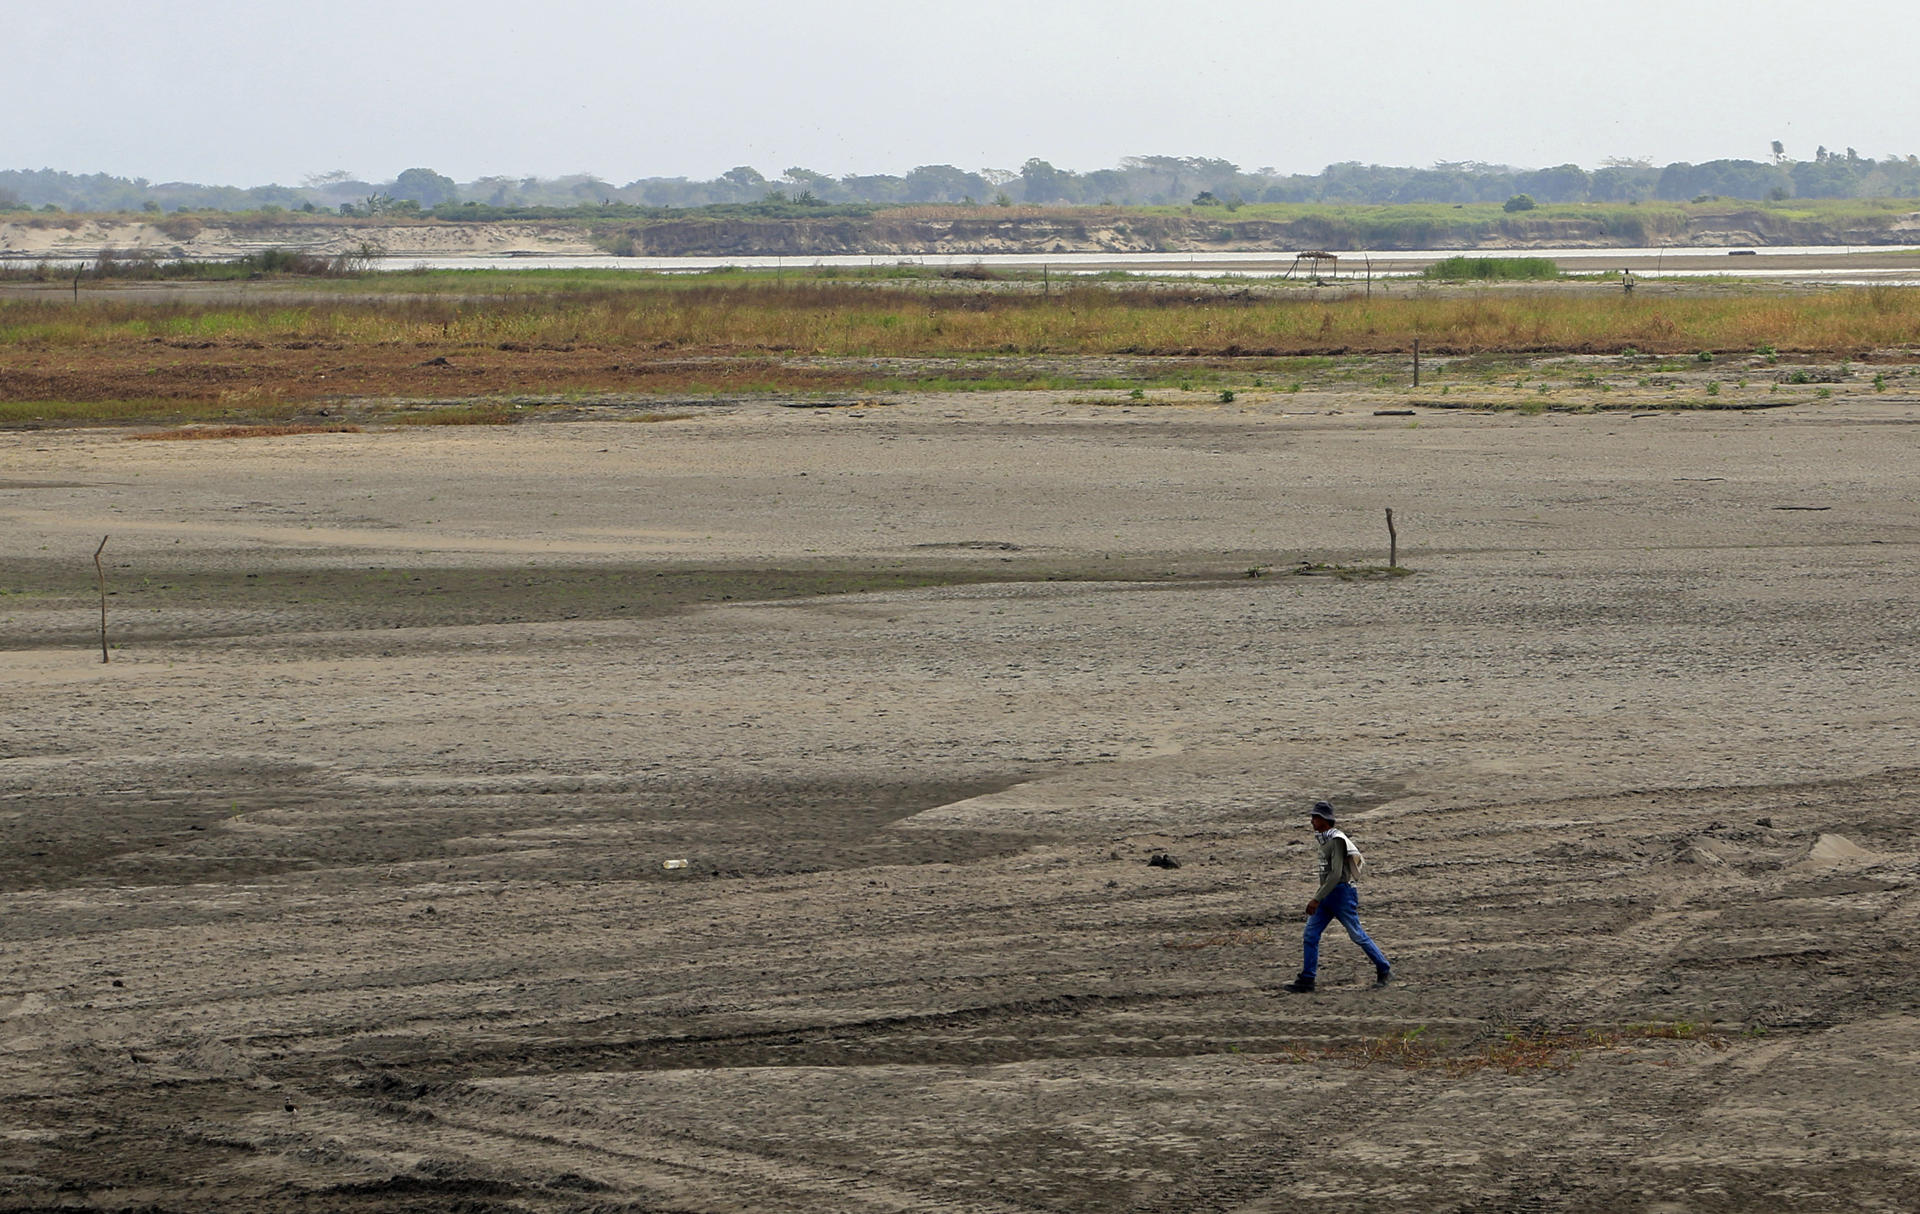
pixel 1393 542
pixel 100 572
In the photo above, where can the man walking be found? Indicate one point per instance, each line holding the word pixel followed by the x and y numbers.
pixel 1336 899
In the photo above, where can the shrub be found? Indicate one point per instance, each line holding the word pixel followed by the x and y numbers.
pixel 1519 202
pixel 1482 269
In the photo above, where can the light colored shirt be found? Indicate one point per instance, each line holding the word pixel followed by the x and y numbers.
pixel 1334 846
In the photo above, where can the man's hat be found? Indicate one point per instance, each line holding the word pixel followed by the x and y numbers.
pixel 1324 809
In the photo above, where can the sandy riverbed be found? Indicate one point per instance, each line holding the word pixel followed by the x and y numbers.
pixel 341 886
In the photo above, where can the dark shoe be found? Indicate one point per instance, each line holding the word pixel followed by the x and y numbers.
pixel 1303 985
pixel 1382 974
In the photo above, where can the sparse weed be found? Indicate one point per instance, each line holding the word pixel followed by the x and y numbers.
pixel 264 431
pixel 458 415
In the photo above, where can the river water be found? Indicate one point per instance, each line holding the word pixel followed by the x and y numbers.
pixel 1859 264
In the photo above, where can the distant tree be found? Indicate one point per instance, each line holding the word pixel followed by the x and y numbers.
pixel 1721 179
pixel 425 187
pixel 1041 182
pixel 806 181
pixel 587 189
pixel 1829 176
pixel 1450 183
pixel 741 183
pixel 495 191
pixel 942 183
pixel 1622 183
pixel 1105 185
pixel 1155 179
pixel 1164 180
pixel 1562 183
pixel 874 187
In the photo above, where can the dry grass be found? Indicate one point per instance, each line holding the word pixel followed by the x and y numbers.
pixel 120 360
pixel 193 432
pixel 459 415
pixel 863 320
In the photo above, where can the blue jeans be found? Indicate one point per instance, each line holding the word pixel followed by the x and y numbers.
pixel 1342 904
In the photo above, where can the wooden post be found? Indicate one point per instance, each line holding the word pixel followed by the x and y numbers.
pixel 1393 542
pixel 1046 283
pixel 1416 362
pixel 100 573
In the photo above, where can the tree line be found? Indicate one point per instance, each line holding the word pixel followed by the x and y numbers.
pixel 1136 181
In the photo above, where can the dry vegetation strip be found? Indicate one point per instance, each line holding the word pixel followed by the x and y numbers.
pixel 855 320
pixel 194 432
pixel 758 336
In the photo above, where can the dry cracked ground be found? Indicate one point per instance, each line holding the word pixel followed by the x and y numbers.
pixel 349 883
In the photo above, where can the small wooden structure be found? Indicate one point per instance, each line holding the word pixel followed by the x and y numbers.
pixel 1315 260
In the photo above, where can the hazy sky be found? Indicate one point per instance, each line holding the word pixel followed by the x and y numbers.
pixel 247 93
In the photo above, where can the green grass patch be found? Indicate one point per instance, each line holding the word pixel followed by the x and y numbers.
pixel 1492 269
